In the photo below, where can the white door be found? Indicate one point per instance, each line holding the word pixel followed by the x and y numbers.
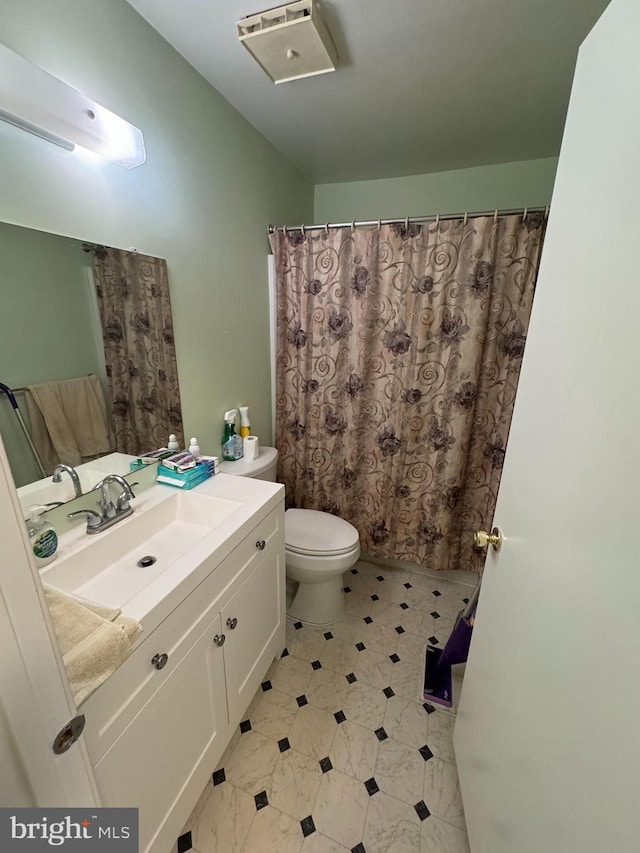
pixel 548 732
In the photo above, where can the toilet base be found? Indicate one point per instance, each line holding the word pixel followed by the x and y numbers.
pixel 318 603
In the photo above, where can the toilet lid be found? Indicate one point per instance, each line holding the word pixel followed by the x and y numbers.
pixel 307 531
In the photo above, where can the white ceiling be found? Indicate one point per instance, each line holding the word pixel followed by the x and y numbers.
pixel 421 85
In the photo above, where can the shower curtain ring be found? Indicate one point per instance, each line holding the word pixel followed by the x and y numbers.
pixel 379 224
pixel 406 223
pixel 284 231
pixel 466 217
pixel 437 220
pixel 524 215
pixel 302 229
pixel 353 226
pixel 326 229
pixel 495 216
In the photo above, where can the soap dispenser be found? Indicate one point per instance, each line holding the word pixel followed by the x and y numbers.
pixel 42 536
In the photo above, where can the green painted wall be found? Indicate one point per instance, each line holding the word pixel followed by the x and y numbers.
pixel 46 329
pixel 504 185
pixel 203 199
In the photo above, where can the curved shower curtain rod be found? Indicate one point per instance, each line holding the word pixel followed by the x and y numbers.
pixel 436 217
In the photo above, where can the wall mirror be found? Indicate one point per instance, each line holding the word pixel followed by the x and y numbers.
pixel 71 310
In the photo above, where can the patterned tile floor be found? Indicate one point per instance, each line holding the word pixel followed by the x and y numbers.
pixel 337 752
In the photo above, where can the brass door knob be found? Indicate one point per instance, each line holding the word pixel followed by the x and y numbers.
pixel 481 539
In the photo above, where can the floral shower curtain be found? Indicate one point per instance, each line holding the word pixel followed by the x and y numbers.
pixel 399 352
pixel 137 331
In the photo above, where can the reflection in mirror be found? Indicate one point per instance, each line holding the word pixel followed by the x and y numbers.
pixel 91 328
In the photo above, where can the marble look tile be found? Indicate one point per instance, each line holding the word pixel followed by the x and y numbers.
pixel 417 620
pixel 292 676
pixel 381 638
pixel 338 655
pixel 294 784
pixel 195 813
pixel 313 732
pixel 251 762
pixel 364 705
pixel 440 735
pixel 373 668
pixel 350 629
pixel 406 721
pixel 364 583
pixel 407 678
pixel 389 614
pixel 391 591
pixel 441 837
pixel 224 822
pixel 341 808
pixel 391 827
pixel 357 605
pixel 306 644
pixel 400 771
pixel 326 689
pixel 411 646
pixel 317 843
pixel 442 791
pixel 274 714
pixel 354 751
pixel 273 831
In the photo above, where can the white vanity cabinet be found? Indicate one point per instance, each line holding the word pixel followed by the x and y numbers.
pixel 155 734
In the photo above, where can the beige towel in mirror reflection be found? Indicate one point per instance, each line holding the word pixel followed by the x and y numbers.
pixel 94 640
pixel 69 421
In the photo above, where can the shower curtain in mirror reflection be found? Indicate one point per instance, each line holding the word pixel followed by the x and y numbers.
pixel 137 330
pixel 399 352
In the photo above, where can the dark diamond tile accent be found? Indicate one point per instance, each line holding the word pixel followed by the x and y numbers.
pixel 368 620
pixel 425 752
pixel 326 765
pixel 359 848
pixel 421 810
pixel 308 826
pixel 437 593
pixel 184 842
pixel 380 578
pixel 428 708
pixel 381 734
pixel 394 658
pixel 355 572
pixel 340 717
pixel 219 777
pixel 302 700
pixel 404 605
pixel 316 664
pixel 347 589
pixel 285 653
pixel 298 625
pixel 351 677
pixel 372 786
pixel 375 598
pixel 466 600
pixel 266 685
pixel 245 726
pixel 328 636
pixel 388 692
pixel 407 585
pixel 435 614
pixel 261 800
pixel 284 745
pixel 360 647
pixel 399 629
pixel 434 641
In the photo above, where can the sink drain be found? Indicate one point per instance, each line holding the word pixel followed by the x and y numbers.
pixel 145 562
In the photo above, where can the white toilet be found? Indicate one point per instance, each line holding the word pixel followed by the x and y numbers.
pixel 320 547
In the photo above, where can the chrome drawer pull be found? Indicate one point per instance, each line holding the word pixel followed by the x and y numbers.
pixel 232 622
pixel 219 639
pixel 261 544
pixel 160 661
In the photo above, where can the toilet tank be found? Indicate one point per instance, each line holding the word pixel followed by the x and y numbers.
pixel 262 468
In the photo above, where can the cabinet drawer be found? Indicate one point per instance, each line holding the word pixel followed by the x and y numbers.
pixel 114 705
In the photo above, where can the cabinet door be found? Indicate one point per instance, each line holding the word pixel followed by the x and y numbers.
pixel 257 612
pixel 176 735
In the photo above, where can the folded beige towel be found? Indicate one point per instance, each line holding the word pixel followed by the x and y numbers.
pixel 94 640
pixel 69 421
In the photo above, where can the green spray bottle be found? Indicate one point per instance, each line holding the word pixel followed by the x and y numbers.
pixel 232 448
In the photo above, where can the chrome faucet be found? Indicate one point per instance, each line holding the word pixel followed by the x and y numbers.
pixel 110 513
pixel 57 477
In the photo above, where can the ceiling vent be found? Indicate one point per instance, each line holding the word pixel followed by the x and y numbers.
pixel 289 42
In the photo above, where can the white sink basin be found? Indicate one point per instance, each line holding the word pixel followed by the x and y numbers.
pixel 108 570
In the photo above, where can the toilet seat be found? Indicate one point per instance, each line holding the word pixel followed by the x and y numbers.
pixel 318 534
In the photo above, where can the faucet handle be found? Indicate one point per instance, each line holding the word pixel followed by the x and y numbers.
pixel 94 519
pixel 122 504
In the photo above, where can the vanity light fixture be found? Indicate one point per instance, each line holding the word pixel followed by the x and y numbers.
pixel 36 101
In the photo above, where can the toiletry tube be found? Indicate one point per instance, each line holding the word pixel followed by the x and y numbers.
pixel 251 447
